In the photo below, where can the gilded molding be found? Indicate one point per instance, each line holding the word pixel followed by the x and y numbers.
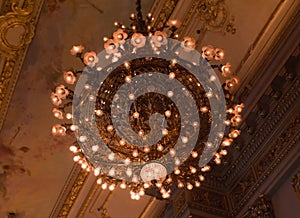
pixel 267 127
pixel 291 24
pixel 296 184
pixel 165 13
pixel 73 194
pixel 88 200
pixel 17 28
pixel 282 146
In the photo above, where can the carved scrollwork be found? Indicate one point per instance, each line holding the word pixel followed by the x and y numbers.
pixel 262 208
pixel 211 199
pixel 17 29
pixel 216 16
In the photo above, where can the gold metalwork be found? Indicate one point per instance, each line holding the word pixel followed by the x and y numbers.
pixel 296 183
pixel 17 28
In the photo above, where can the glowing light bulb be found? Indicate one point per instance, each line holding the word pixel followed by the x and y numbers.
pixel 184 139
pixel 189 186
pixel 127 65
pixel 128 79
pixel 76 158
pixel 136 115
pixel 234 134
pixel 194 154
pixel 177 171
pixel 170 94
pixel 97 171
pixel 122 142
pixel 205 168
pixel 123 185
pixel 168 113
pixel 141 132
pixel 171 75
pixel 226 142
pixel 146 185
pixel 99 112
pixel 165 132
pixel 217 160
pixel 193 169
pixel 204 109
pixel 104 186
pixel 223 152
pixel 180 184
pixel 172 152
pixel 73 148
pixel 112 187
pixel 109 127
pixel 160 147
pixel 142 192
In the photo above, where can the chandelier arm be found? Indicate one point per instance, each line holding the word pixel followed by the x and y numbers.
pixel 140 22
pixel 139 10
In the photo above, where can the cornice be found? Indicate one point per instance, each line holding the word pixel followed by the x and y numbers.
pixel 262 59
pixel 18 18
pixel 267 163
pixel 263 132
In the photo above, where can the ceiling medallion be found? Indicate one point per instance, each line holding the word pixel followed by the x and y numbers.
pixel 149 111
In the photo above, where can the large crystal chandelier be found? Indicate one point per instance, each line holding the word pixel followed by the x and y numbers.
pixel 148 112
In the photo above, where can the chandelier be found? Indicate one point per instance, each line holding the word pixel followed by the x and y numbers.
pixel 148 112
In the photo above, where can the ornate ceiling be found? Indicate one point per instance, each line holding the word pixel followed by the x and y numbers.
pixel 37 175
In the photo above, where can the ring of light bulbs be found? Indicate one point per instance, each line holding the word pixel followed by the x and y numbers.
pixel 129 41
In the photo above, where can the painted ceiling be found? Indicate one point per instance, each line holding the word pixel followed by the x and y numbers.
pixel 34 166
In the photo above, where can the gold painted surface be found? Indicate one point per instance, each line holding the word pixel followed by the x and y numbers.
pixel 18 21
